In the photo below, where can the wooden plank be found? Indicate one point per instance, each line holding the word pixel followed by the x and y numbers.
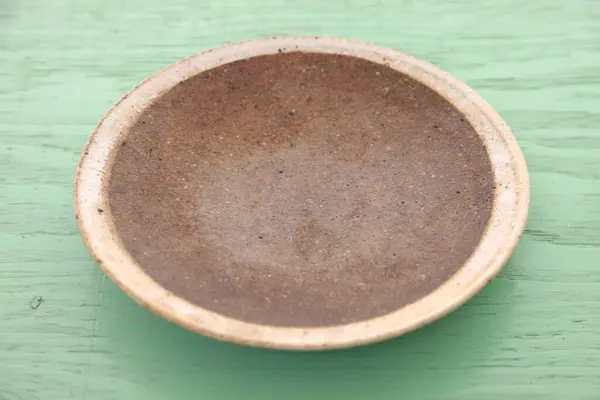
pixel 533 333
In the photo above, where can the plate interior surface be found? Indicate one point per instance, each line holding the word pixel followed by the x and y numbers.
pixel 301 190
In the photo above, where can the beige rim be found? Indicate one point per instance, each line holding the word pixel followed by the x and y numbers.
pixel 511 203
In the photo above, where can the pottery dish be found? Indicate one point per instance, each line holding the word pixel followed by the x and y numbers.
pixel 301 193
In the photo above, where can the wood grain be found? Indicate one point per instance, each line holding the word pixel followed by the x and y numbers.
pixel 533 333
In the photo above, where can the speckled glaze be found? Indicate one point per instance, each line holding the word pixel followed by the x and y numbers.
pixel 266 281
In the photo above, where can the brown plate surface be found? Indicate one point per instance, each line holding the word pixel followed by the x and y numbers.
pixel 301 189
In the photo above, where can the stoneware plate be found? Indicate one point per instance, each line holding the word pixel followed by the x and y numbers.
pixel 301 193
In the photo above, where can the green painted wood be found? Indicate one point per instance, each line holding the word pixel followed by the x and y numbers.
pixel 533 333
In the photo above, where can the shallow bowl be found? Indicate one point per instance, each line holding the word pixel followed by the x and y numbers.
pixel 301 193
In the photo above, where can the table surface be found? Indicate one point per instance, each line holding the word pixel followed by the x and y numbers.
pixel 533 333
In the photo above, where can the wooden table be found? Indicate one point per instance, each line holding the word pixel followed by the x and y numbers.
pixel 533 333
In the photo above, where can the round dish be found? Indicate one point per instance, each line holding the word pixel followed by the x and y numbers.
pixel 301 193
